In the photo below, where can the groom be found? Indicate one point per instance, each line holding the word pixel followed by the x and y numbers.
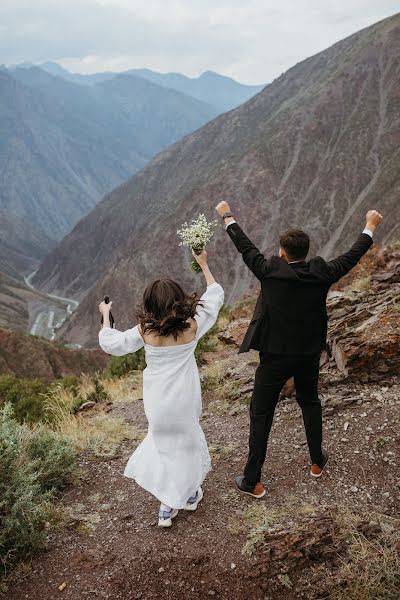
pixel 289 328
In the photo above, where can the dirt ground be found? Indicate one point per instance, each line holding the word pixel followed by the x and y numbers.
pixel 112 548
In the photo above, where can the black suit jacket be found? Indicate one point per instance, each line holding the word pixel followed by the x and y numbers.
pixel 290 315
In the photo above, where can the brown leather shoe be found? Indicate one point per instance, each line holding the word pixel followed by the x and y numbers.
pixel 316 470
pixel 257 492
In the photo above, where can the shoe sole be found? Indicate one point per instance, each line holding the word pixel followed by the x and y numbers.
pixel 167 522
pixel 193 507
pixel 258 496
pixel 319 475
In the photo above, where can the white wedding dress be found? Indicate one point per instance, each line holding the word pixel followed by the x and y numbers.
pixel 173 459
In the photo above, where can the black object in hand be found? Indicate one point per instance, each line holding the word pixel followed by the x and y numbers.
pixel 107 300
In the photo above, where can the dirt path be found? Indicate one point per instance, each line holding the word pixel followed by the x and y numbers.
pixel 113 548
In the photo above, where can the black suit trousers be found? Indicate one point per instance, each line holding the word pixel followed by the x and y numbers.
pixel 271 375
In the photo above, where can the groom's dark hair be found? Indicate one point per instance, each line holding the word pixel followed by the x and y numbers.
pixel 295 243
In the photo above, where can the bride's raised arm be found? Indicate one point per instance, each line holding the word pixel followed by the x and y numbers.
pixel 119 343
pixel 211 301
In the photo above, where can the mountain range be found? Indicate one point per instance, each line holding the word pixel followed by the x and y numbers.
pixel 63 145
pixel 315 149
pixel 219 91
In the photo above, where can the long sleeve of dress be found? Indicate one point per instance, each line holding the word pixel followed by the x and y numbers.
pixel 212 300
pixel 119 343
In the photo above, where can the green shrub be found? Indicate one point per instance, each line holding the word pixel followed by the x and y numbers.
pixel 98 394
pixel 34 464
pixel 54 457
pixel 122 365
pixel 26 396
pixel 209 342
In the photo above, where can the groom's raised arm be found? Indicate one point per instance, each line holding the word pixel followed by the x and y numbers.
pixel 251 255
pixel 341 265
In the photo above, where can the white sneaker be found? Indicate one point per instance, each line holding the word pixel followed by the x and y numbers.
pixel 165 517
pixel 195 500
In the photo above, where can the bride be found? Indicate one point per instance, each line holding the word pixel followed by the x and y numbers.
pixel 173 460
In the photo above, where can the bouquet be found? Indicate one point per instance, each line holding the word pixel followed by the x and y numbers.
pixel 196 235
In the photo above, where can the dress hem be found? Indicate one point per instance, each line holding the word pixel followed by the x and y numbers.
pixel 164 499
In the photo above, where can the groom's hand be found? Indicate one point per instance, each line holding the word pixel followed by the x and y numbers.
pixel 222 208
pixel 373 220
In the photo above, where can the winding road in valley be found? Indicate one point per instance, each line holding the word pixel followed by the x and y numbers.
pixel 47 320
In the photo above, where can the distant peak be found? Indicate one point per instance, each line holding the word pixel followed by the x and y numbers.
pixel 53 67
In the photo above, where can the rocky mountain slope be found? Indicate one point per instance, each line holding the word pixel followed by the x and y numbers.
pixel 22 246
pixel 63 145
pixel 29 356
pixel 315 149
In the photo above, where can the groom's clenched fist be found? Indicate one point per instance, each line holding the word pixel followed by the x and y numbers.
pixel 222 208
pixel 373 219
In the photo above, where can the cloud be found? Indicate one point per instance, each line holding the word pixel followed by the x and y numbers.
pixel 253 41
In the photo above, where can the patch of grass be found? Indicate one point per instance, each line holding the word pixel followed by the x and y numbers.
pixel 217 452
pixel 255 521
pixel 382 441
pixel 210 342
pixel 361 560
pixel 231 389
pixel 100 432
pixel 79 516
pixel 104 435
pixel 219 407
pixel 126 388
pixel 98 394
pixel 213 375
pixel 371 568
pixel 361 284
pixel 258 518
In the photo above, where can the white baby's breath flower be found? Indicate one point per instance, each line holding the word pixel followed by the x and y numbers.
pixel 197 233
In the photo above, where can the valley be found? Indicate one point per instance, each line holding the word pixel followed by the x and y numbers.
pixel 49 313
pixel 315 149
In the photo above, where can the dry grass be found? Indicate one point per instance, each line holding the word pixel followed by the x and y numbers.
pixel 219 407
pixel 258 518
pixel 86 385
pixel 225 390
pixel 213 376
pixel 361 284
pixel 79 516
pixel 371 568
pixel 363 568
pixel 221 452
pixel 98 432
pixel 254 521
pixel 125 389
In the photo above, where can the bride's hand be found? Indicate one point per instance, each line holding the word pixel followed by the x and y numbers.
pixel 105 308
pixel 201 258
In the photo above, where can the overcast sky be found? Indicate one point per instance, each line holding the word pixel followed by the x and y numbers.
pixel 253 41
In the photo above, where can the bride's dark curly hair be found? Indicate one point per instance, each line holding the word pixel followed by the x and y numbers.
pixel 166 308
